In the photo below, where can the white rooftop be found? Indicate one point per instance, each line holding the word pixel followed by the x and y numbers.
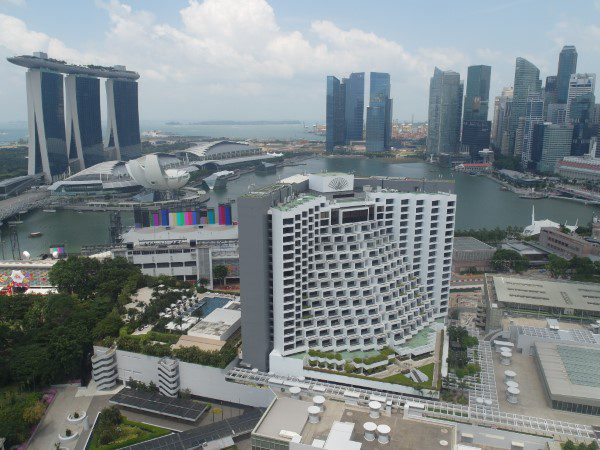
pixel 185 233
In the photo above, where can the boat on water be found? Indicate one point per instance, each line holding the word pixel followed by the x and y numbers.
pixel 15 222
pixel 49 210
pixel 35 234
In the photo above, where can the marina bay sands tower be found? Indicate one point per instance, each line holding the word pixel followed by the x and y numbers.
pixel 65 128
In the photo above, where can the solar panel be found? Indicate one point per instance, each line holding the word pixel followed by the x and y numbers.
pixel 205 433
pixel 185 409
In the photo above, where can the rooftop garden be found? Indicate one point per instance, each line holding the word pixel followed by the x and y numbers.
pixel 113 431
pixel 368 366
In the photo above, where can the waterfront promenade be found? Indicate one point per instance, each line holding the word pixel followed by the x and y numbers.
pixel 24 202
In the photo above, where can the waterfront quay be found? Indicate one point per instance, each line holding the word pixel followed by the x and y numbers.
pixel 22 203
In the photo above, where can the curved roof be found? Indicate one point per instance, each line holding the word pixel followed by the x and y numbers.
pixel 220 148
pixel 153 172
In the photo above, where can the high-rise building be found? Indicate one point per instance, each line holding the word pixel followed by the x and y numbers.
pixel 54 142
pixel 579 84
pixel 123 118
pixel 445 112
pixel 379 113
pixel 47 140
pixel 334 114
pixel 556 113
pixel 527 82
pixel 477 93
pixel 501 115
pixel 567 66
pixel 354 87
pixel 84 128
pixel 550 144
pixel 368 272
pixel 550 94
pixel 476 128
pixel 581 117
pixel 475 136
pixel 534 114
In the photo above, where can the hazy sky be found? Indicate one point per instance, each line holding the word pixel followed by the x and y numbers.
pixel 253 59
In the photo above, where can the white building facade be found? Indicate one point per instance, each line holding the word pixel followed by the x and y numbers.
pixel 358 272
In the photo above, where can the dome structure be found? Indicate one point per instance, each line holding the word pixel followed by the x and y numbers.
pixel 158 172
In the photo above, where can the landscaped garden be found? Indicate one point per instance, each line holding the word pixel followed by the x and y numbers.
pixel 367 366
pixel 113 431
pixel 461 367
pixel 20 411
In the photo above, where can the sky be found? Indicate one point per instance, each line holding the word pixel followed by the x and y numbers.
pixel 268 60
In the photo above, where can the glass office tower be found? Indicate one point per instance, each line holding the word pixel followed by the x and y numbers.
pixel 334 114
pixel 476 127
pixel 84 128
pixel 379 113
pixel 527 82
pixel 123 118
pixel 567 66
pixel 445 112
pixel 47 141
pixel 354 87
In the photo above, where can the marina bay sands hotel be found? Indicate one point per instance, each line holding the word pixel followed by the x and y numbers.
pixel 67 140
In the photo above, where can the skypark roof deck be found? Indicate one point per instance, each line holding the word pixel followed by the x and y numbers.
pixel 40 62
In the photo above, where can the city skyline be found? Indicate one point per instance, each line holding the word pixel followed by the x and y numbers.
pixel 296 46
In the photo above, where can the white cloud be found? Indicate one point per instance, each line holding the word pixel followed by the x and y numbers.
pixel 13 2
pixel 227 49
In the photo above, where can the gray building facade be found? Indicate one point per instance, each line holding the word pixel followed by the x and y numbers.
pixel 527 82
pixel 445 112
pixel 354 87
pixel 567 66
pixel 334 114
pixel 379 113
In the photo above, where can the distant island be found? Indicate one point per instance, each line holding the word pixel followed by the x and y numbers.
pixel 239 122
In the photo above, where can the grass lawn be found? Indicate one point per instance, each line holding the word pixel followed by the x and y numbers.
pixel 427 369
pixel 393 379
pixel 131 433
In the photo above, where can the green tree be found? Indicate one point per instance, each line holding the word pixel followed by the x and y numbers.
pixel 557 266
pixel 504 260
pixel 75 275
pixel 220 272
pixel 109 326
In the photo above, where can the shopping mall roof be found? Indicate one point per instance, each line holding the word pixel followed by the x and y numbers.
pixel 570 371
pixel 553 294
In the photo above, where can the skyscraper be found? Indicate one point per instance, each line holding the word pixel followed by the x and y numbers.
pixel 567 66
pixel 478 93
pixel 501 114
pixel 319 274
pixel 84 129
pixel 550 94
pixel 47 141
pixel 123 118
pixel 579 84
pixel 445 111
pixel 334 114
pixel 527 82
pixel 52 141
pixel 354 87
pixel 476 127
pixel 550 144
pixel 581 117
pixel 379 113
pixel 534 114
